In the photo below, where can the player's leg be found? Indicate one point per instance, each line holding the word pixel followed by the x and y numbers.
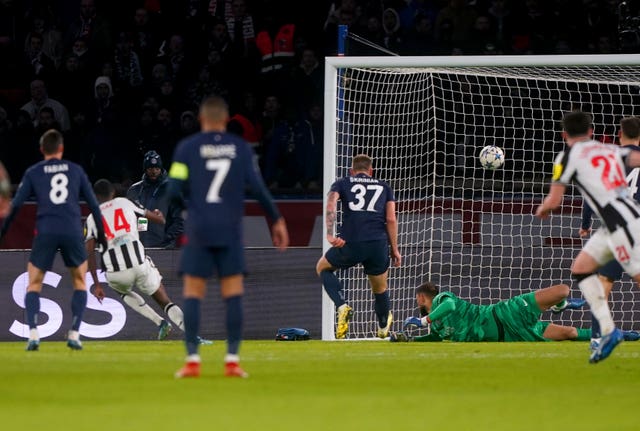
pixel 32 304
pixel 551 296
pixel 231 290
pixel 78 304
pixel 382 303
pixel 607 279
pixel 590 258
pixel 325 268
pixel 43 251
pixel 149 281
pixel 376 266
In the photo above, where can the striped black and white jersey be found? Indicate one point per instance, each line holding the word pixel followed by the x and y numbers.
pixel 599 172
pixel 120 221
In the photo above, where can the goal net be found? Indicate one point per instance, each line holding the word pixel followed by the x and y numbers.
pixel 471 230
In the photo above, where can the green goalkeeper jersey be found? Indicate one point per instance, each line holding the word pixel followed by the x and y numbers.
pixel 458 320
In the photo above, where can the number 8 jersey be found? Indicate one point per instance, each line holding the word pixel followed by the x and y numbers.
pixel 364 202
pixel 599 171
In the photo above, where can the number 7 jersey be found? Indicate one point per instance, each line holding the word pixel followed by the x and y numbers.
pixel 364 207
pixel 599 171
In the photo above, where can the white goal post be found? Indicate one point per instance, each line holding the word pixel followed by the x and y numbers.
pixel 470 230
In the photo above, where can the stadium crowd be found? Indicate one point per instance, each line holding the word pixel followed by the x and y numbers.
pixel 121 77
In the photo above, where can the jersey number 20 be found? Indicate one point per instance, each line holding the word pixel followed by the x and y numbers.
pixel 360 193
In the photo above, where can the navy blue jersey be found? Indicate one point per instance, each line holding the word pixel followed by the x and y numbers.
pixel 57 186
pixel 213 170
pixel 364 207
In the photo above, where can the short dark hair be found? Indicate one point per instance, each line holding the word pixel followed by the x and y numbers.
pixel 630 127
pixel 361 162
pixel 576 123
pixel 214 108
pixel 103 189
pixel 428 288
pixel 51 141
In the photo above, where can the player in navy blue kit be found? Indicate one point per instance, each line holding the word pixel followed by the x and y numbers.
pixel 57 185
pixel 212 169
pixel 369 232
pixel 629 136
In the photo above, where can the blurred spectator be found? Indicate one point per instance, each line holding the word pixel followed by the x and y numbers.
pixel 308 80
pixel 203 86
pixel 167 96
pixel 458 18
pixel 500 14
pixel 37 64
pixel 152 192
pixel 104 143
pixel 144 38
pixel 241 29
pixel 128 72
pixel 91 28
pixel 482 37
pixel 40 99
pixel 419 39
pixel 46 121
pixel 26 151
pixel 86 60
pixel 168 134
pixel 43 23
pixel 221 8
pixel 391 26
pixel 188 124
pixel 315 156
pixel 270 117
pixel 172 54
pixel 276 49
pixel 71 76
pixel 288 153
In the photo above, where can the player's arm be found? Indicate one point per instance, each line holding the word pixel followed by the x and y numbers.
pixel 444 308
pixel 392 233
pixel 90 245
pixel 330 219
pixel 585 226
pixel 279 232
pixel 94 206
pixel 632 159
pixel 552 201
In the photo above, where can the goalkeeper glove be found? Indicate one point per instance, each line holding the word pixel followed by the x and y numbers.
pixel 413 321
pixel 397 337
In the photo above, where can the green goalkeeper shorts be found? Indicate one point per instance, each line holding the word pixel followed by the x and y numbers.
pixel 519 317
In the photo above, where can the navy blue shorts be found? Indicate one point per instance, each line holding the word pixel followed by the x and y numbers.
pixel 612 270
pixel 205 261
pixel 45 246
pixel 373 255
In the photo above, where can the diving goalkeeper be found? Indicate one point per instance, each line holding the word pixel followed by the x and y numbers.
pixel 517 319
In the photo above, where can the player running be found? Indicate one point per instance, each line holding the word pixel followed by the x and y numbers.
pixel 212 169
pixel 517 319
pixel 629 135
pixel 599 172
pixel 57 185
pixel 369 232
pixel 124 259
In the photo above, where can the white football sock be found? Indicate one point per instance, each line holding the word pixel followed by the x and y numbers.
pixel 593 292
pixel 175 314
pixel 136 302
pixel 33 334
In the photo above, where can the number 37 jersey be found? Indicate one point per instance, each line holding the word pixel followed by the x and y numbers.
pixel 599 171
pixel 364 204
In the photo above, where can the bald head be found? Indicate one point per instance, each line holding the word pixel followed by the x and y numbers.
pixel 214 114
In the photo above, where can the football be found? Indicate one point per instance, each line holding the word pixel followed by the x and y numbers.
pixel 491 157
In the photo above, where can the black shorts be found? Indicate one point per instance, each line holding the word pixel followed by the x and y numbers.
pixel 373 255
pixel 205 261
pixel 612 270
pixel 45 246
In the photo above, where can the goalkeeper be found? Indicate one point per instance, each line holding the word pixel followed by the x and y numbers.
pixel 517 319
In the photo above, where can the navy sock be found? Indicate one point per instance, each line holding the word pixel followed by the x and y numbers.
pixel 382 307
pixel 234 324
pixel 595 327
pixel 78 304
pixel 32 305
pixel 191 310
pixel 332 287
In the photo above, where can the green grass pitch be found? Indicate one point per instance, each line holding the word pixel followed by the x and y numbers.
pixel 315 385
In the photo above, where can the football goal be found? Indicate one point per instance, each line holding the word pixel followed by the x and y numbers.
pixel 471 230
